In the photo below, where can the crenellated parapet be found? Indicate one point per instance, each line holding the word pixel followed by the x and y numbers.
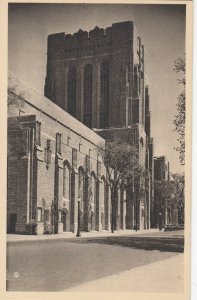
pixel 97 40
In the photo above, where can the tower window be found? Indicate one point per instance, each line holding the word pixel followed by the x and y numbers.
pixel 72 79
pixel 104 112
pixel 88 78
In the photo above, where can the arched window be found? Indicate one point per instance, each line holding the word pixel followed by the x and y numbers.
pixel 72 78
pixel 104 112
pixel 66 182
pixel 88 95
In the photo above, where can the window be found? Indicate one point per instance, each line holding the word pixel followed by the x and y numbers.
pixel 88 163
pixel 66 182
pixel 58 143
pixel 74 158
pixel 28 140
pixel 98 168
pixel 48 153
pixel 38 133
pixel 88 77
pixel 72 79
pixel 46 215
pixel 39 214
pixel 104 112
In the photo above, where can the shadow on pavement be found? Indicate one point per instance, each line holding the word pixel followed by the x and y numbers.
pixel 163 244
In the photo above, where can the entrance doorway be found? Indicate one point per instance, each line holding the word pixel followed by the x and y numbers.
pixel 64 220
pixel 93 221
pixel 13 220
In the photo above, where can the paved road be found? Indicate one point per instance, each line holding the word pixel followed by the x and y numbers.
pixel 55 265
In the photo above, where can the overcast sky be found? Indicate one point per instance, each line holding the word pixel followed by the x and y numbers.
pixel 161 27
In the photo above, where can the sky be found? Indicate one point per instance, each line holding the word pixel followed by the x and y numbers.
pixel 161 27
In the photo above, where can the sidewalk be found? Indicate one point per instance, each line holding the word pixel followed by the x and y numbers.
pixel 165 276
pixel 66 235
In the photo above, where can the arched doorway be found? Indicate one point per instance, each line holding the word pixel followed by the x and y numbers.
pixel 93 218
pixel 66 211
pixel 105 195
pixel 65 220
pixel 81 194
pixel 142 218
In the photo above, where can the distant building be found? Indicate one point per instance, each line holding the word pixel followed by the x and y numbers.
pixel 167 213
pixel 161 168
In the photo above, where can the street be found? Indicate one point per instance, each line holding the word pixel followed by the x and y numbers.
pixel 56 265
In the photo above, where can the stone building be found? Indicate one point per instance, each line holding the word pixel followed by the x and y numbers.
pixel 167 213
pixel 99 78
pixel 96 83
pixel 53 162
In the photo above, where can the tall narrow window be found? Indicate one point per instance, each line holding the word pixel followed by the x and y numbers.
pixel 48 153
pixel 74 158
pixel 72 78
pixel 38 133
pixel 66 182
pixel 58 143
pixel 88 95
pixel 104 113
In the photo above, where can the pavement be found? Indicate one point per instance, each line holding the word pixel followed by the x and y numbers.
pixel 66 235
pixel 125 261
pixel 165 276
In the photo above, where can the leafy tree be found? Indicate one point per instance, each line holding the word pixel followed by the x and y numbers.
pixel 179 183
pixel 179 120
pixel 121 162
pixel 164 190
pixel 137 181
pixel 170 194
pixel 164 198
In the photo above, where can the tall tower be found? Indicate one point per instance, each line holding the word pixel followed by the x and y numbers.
pixel 98 76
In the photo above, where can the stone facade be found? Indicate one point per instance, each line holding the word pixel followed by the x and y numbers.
pixel 99 78
pixel 96 83
pixel 53 161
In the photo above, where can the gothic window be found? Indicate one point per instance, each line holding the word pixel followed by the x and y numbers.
pixel 38 133
pixel 87 163
pixel 88 95
pixel 72 79
pixel 66 182
pixel 48 153
pixel 104 113
pixel 58 143
pixel 98 168
pixel 74 158
pixel 28 140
